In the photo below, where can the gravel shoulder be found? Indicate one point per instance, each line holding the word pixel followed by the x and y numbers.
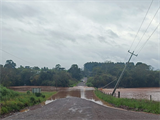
pixel 74 108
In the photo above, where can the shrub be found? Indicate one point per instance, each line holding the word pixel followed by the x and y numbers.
pixel 28 92
pixel 32 99
pixel 10 102
pixel 43 96
pixel 38 100
pixel 3 110
pixel 38 94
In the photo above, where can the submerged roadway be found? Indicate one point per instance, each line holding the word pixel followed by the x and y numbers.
pixel 74 108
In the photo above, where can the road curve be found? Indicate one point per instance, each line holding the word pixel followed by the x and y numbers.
pixel 74 108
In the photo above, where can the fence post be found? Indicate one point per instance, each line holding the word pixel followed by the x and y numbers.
pixel 118 94
pixel 150 97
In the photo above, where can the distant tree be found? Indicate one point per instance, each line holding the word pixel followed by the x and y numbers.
pixel 57 67
pixel 27 67
pixel 10 64
pixel 75 72
pixel 36 68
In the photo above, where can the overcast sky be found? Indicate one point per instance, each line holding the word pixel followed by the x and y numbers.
pixel 49 32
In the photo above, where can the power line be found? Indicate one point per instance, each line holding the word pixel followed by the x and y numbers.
pixel 148 39
pixel 109 83
pixel 16 56
pixel 141 25
pixel 147 28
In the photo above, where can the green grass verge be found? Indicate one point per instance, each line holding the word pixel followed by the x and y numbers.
pixel 131 104
pixel 13 101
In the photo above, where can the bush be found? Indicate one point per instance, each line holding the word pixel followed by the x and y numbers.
pixel 32 99
pixel 6 94
pixel 28 92
pixel 39 101
pixel 43 96
pixel 4 110
pixel 38 94
pixel 10 102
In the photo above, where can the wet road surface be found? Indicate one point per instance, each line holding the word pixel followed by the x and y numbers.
pixel 73 108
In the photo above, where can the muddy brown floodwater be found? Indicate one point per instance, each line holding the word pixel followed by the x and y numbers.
pixel 137 93
pixel 83 92
pixel 78 91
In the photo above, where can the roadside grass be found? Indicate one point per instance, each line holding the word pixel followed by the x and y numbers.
pixel 12 101
pixel 131 104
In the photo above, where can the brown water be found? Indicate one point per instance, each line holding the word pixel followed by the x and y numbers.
pixel 78 91
pixel 83 92
pixel 137 93
pixel 87 93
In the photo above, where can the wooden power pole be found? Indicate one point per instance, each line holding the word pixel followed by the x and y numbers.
pixel 132 53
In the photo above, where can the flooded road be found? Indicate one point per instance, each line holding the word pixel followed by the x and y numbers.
pixel 83 92
pixel 80 91
pixel 137 93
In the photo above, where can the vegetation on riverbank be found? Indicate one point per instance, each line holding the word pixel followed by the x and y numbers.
pixel 135 76
pixel 12 101
pixel 130 104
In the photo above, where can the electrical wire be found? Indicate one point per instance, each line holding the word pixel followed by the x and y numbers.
pixel 16 56
pixel 141 25
pixel 148 39
pixel 147 28
pixel 109 83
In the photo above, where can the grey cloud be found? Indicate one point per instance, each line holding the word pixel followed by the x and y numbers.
pixel 15 10
pixel 102 39
pixel 91 31
pixel 112 34
pixel 62 36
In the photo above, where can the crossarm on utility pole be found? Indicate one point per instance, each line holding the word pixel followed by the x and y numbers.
pixel 132 53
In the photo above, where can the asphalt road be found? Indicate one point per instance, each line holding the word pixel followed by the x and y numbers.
pixel 83 83
pixel 74 108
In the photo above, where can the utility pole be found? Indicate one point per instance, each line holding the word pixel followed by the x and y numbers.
pixel 132 53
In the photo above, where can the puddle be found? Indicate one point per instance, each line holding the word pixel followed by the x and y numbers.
pixel 24 110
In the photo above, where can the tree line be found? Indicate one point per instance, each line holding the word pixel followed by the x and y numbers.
pixel 58 76
pixel 99 75
pixel 135 75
